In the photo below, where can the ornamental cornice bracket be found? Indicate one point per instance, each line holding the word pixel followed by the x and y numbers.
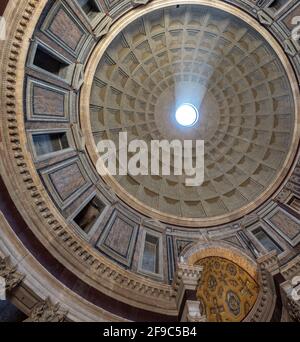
pixel 186 279
pixel 188 275
pixel 46 311
pixel 269 262
pixel 9 274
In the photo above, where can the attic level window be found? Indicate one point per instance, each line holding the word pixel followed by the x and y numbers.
pixel 151 254
pixel 46 61
pixel 277 4
pixel 89 215
pixel 268 243
pixel 50 143
pixel 89 7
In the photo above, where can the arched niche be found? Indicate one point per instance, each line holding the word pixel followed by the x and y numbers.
pixel 253 272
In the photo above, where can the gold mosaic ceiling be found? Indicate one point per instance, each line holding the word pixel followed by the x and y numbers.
pixel 226 292
pixel 241 89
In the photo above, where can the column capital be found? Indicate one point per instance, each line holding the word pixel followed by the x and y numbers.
pixel 46 311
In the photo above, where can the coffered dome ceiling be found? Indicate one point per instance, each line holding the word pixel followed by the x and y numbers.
pixel 219 63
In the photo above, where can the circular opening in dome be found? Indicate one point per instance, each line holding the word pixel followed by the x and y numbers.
pixel 187 115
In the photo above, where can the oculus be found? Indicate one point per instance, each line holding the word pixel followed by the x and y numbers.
pixel 187 115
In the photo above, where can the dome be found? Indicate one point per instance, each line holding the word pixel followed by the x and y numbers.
pixel 238 84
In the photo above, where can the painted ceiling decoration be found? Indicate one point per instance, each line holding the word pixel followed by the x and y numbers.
pixel 226 292
pixel 79 246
